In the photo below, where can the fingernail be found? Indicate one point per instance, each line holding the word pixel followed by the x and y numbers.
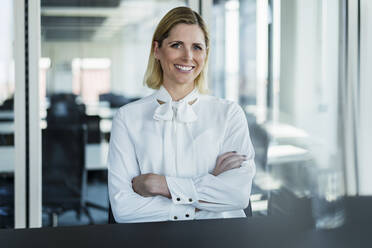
pixel 234 151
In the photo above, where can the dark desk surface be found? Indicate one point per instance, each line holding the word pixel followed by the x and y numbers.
pixel 272 231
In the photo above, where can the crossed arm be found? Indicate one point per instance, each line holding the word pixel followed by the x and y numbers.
pixel 137 197
pixel 150 184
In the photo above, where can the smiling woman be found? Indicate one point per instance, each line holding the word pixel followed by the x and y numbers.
pixel 181 39
pixel 182 56
pixel 179 154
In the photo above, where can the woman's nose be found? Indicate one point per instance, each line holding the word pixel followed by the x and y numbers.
pixel 188 53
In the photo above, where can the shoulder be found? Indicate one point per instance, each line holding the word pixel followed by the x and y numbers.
pixel 219 105
pixel 136 108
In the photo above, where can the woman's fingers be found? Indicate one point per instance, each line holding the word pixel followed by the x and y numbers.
pixel 234 163
pixel 228 161
pixel 233 158
pixel 224 156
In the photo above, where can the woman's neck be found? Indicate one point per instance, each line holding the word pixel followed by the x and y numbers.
pixel 178 92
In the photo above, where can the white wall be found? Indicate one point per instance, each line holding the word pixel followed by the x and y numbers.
pixel 128 64
pixel 309 72
pixel 364 149
pixel 6 50
pixel 287 60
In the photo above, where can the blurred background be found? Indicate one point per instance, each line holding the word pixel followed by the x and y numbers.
pixel 286 62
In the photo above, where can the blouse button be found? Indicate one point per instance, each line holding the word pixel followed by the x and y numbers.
pixel 187 215
pixel 178 199
pixel 175 217
pixel 190 200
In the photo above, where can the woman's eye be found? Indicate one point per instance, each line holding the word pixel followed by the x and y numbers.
pixel 198 48
pixel 176 45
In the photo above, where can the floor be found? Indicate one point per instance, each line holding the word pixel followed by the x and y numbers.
pixel 96 193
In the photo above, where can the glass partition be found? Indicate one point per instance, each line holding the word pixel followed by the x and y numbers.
pixel 7 87
pixel 305 122
pixel 94 57
pixel 279 60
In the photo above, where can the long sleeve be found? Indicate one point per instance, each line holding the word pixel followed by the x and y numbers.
pixel 128 206
pixel 229 190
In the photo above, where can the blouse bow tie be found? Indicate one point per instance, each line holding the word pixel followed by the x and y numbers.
pixel 181 111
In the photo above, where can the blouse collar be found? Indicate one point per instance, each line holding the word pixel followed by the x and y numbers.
pixel 181 110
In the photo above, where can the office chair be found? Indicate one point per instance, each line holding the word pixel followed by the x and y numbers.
pixel 260 140
pixel 7 139
pixel 115 100
pixel 93 128
pixel 111 219
pixel 248 210
pixel 8 104
pixel 284 202
pixel 64 175
pixel 65 109
pixel 6 201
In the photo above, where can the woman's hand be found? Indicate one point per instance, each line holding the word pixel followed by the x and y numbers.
pixel 228 161
pixel 150 184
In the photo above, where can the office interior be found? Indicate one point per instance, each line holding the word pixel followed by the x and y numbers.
pixel 299 69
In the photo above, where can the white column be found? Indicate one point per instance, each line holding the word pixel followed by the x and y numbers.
pixel 276 58
pixel 19 116
pixel 206 12
pixel 365 100
pixel 35 196
pixel 194 5
pixel 350 102
pixel 232 50
pixel 262 58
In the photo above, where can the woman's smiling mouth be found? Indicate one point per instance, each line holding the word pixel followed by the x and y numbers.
pixel 184 68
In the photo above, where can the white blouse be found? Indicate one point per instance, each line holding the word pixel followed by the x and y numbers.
pixel 181 142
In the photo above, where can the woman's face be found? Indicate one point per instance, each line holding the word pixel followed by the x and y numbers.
pixel 182 55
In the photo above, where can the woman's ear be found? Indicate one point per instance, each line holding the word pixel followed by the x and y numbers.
pixel 156 50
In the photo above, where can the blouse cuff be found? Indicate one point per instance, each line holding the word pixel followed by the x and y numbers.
pixel 182 190
pixel 182 212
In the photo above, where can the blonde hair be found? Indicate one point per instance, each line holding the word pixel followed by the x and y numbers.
pixel 154 73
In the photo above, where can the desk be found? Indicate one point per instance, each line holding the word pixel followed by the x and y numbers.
pixel 96 157
pixel 105 112
pixel 7 127
pixel 7 157
pixel 287 165
pixel 286 153
pixel 284 131
pixel 7 115
pixel 267 232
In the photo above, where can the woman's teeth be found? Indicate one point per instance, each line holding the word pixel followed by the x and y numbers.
pixel 184 68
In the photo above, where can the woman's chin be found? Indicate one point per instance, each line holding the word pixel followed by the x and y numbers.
pixel 184 82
